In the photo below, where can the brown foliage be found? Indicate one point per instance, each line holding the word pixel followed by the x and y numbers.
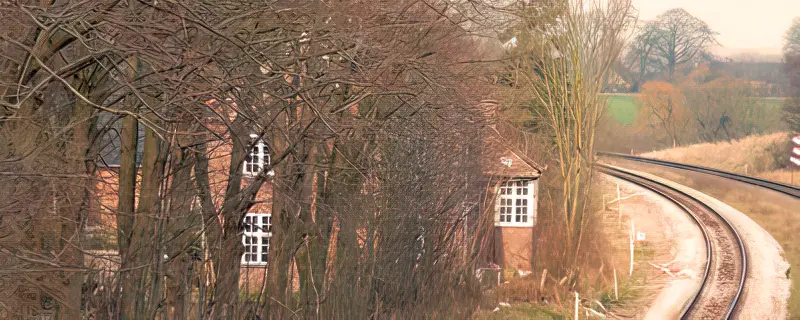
pixel 663 111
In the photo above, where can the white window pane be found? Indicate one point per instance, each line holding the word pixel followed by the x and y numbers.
pixel 264 248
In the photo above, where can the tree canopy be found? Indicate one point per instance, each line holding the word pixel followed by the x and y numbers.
pixel 662 46
pixel 791 56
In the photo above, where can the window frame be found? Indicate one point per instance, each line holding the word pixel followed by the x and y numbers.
pixel 258 233
pixel 262 154
pixel 531 185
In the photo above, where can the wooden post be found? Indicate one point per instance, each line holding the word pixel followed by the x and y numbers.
pixel 616 292
pixel 619 207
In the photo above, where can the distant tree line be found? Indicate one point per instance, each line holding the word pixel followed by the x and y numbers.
pixel 673 45
pixel 791 56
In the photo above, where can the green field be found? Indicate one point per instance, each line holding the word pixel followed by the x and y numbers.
pixel 624 107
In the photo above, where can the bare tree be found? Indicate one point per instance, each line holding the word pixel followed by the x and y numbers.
pixel 791 56
pixel 673 39
pixel 360 106
pixel 664 112
pixel 640 61
pixel 722 109
pixel 562 71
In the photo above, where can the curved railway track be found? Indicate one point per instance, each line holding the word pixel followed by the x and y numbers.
pixel 776 186
pixel 726 257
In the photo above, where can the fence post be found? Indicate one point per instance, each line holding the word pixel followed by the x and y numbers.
pixel 577 301
pixel 619 207
pixel 616 292
pixel 630 270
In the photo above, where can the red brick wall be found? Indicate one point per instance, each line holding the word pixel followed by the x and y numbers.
pixel 514 247
pixel 104 213
pixel 219 158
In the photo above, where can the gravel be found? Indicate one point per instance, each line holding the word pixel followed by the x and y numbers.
pixel 678 248
pixel 767 286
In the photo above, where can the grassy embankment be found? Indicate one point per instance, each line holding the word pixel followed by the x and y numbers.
pixel 764 156
pixel 620 132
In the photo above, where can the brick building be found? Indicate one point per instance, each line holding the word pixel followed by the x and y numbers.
pixel 512 196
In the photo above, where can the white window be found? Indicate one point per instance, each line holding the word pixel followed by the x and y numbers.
pixel 257 157
pixel 516 203
pixel 257 231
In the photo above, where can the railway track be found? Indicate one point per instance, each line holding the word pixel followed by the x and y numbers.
pixel 726 257
pixel 776 186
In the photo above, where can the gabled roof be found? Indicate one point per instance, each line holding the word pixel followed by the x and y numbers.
pixel 501 159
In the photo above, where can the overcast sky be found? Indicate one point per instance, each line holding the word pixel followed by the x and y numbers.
pixel 742 24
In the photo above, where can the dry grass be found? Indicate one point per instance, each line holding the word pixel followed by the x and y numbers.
pixel 751 155
pixel 520 311
pixel 782 176
pixel 528 299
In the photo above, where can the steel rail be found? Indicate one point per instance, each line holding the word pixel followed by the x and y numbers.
pixel 772 185
pixel 662 190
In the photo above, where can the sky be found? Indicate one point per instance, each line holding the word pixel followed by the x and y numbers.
pixel 744 25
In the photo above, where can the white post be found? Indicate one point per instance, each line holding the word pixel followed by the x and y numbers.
pixel 745 169
pixel 630 270
pixel 619 207
pixel 576 305
pixel 541 282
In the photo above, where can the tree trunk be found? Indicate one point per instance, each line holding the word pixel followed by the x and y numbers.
pixel 73 216
pixel 181 224
pixel 144 247
pixel 231 249
pixel 320 243
pixel 309 290
pixel 280 254
pixel 125 208
pixel 212 228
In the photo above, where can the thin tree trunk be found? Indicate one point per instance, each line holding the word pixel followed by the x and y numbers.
pixel 181 224
pixel 231 250
pixel 142 248
pixel 280 253
pixel 320 243
pixel 212 228
pixel 125 207
pixel 72 225
pixel 303 258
